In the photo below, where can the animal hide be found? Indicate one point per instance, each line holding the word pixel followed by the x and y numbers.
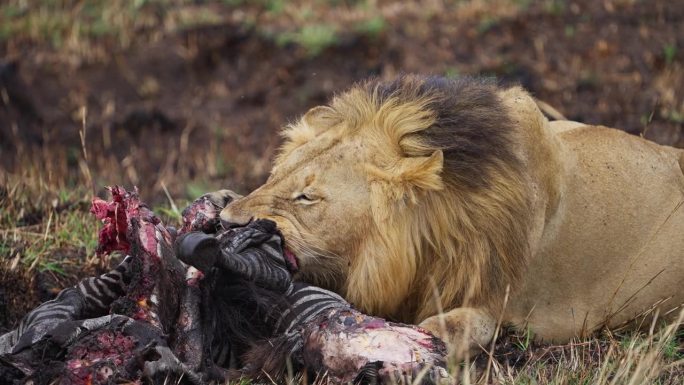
pixel 205 305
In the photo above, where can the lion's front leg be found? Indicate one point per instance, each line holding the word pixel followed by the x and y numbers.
pixel 466 331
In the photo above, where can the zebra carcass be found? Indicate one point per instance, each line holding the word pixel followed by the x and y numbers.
pixel 205 305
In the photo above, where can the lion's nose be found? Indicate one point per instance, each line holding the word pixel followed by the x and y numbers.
pixel 232 216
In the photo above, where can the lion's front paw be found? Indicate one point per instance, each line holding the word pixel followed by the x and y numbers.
pixel 464 330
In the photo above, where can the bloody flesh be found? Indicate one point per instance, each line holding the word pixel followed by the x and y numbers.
pixel 175 321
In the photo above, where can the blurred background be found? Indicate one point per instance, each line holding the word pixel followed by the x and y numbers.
pixel 190 94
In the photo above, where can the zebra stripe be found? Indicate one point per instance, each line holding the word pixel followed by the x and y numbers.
pixel 304 303
pixel 92 284
pixel 273 253
pixel 255 266
pixel 312 310
pixel 50 316
pixel 91 297
pixel 108 290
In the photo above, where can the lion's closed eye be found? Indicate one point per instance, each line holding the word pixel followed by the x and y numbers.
pixel 305 198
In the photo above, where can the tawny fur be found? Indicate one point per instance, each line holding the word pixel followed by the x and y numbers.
pixel 425 194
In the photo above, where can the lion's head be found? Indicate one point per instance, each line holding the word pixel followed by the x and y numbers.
pixel 399 193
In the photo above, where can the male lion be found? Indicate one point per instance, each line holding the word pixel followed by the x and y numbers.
pixel 431 201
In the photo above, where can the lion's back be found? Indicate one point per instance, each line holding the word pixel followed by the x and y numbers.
pixel 615 246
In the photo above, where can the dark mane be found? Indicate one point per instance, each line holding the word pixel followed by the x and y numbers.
pixel 473 128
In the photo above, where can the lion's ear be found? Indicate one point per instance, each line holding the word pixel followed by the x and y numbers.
pixel 312 123
pixel 410 176
pixel 422 173
pixel 318 117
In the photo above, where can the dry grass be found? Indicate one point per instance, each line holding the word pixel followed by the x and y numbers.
pixel 653 357
pixel 49 228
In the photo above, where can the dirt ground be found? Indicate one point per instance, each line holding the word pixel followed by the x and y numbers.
pixel 195 106
pixel 200 107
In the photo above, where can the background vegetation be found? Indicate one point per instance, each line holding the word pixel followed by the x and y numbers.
pixel 180 97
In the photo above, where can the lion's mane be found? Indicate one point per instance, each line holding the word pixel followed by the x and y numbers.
pixel 450 199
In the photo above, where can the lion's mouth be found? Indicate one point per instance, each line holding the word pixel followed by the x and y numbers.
pixel 290 259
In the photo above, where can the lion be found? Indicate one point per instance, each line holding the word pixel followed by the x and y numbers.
pixel 455 204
